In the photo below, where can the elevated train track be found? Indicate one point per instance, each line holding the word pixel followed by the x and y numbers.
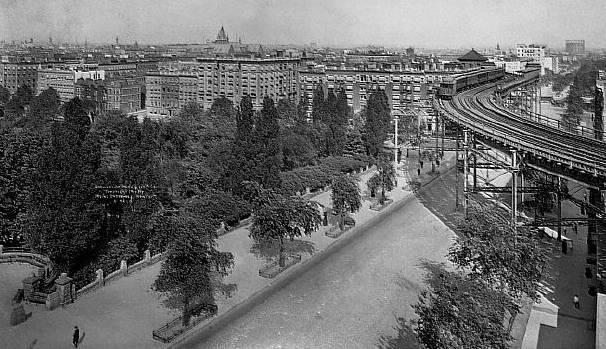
pixel 547 148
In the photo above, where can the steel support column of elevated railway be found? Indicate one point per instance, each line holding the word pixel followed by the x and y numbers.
pixel 514 186
pixel 465 171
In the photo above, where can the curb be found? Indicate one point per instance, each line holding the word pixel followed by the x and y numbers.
pixel 258 297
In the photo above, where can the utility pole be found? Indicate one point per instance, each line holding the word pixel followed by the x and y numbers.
pixel 475 162
pixel 436 134
pixel 457 168
pixel 395 155
pixel 443 135
pixel 514 187
pixel 559 195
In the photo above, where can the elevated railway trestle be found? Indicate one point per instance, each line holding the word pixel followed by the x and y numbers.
pixel 491 121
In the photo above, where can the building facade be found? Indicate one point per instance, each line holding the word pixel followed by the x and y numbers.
pixel 63 79
pixel 13 75
pixel 206 79
pixel 551 63
pixel 532 52
pixel 404 89
pixel 575 47
pixel 122 94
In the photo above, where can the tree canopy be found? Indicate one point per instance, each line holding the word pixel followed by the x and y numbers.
pixel 490 249
pixel 193 266
pixel 278 217
pixel 457 312
pixel 378 117
pixel 345 196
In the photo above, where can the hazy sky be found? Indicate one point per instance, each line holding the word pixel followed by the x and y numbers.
pixel 419 23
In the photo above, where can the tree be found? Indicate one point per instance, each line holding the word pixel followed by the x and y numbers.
pixel 301 126
pixel 385 178
pixel 354 144
pixel 15 107
pixel 406 337
pixel 44 108
pixel 510 258
pixel 335 117
pixel 239 163
pixel 287 114
pixel 193 266
pixel 345 196
pixel 64 220
pixel 278 217
pixel 318 105
pixel 574 107
pixel 318 129
pixel 378 118
pixel 457 312
pixel 598 120
pixel 269 157
pixel 297 151
pixel 76 117
pixel 19 157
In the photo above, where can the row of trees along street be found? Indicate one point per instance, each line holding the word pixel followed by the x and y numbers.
pixel 582 83
pixel 195 170
pixel 475 304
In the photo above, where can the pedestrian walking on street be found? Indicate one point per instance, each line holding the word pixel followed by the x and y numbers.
pixel 576 302
pixel 421 162
pixel 76 336
pixel 418 171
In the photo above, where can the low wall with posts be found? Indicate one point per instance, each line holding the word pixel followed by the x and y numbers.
pixel 102 280
pixel 23 255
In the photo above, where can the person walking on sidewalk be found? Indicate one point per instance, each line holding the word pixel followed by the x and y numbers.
pixel 76 336
pixel 576 302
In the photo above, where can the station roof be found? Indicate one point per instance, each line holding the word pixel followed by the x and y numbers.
pixel 472 56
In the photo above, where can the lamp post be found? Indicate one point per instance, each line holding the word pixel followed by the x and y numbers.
pixel 395 135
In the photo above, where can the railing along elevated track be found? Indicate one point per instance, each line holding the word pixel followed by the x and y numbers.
pixel 548 148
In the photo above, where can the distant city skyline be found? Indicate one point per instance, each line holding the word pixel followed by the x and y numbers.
pixel 429 24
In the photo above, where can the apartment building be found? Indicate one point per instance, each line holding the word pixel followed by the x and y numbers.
pixel 63 79
pixel 575 47
pixel 123 94
pixel 13 75
pixel 404 89
pixel 206 79
pixel 533 52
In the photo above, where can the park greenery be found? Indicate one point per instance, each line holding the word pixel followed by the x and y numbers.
pixel 385 179
pixel 345 196
pixel 279 217
pixel 60 163
pixel 582 83
pixel 474 304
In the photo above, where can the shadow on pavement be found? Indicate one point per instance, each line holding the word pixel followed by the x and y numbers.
pixel 268 250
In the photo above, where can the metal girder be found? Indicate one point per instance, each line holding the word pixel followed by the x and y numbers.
pixel 505 189
pixel 564 221
pixel 488 165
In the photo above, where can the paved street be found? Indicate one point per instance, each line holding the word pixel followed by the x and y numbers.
pixel 351 297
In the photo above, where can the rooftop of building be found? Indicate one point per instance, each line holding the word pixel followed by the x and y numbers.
pixel 472 56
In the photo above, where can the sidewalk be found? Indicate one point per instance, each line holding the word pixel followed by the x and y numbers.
pixel 124 313
pixel 553 322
